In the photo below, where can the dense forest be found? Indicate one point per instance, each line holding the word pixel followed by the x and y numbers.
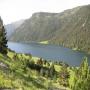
pixel 70 28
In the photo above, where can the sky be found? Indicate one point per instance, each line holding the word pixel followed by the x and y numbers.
pixel 14 10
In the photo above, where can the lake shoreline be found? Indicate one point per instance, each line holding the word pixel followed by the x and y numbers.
pixel 49 52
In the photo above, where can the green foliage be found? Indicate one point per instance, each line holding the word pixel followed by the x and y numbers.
pixel 16 73
pixel 64 75
pixel 80 78
pixel 3 40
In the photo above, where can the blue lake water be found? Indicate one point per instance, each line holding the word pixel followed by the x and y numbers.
pixel 50 52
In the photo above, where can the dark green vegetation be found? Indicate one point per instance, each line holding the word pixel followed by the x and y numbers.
pixel 70 28
pixel 3 40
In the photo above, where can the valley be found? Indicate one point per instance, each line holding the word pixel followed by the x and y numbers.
pixel 70 28
pixel 48 51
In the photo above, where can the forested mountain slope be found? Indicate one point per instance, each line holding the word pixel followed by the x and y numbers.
pixel 70 28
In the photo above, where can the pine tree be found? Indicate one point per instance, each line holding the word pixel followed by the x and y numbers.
pixel 3 40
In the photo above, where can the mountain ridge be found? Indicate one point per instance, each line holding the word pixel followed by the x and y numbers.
pixel 10 28
pixel 69 28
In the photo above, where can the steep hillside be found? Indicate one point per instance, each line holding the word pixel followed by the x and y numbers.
pixel 70 28
pixel 24 72
pixel 10 28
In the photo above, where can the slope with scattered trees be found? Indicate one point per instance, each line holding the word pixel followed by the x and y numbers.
pixel 24 72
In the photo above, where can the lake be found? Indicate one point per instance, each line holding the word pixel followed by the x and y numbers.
pixel 50 52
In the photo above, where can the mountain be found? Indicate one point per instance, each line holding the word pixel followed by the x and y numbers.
pixel 70 28
pixel 10 28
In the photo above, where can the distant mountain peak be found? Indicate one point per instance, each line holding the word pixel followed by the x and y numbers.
pixel 10 28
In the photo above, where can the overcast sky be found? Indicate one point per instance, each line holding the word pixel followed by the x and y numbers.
pixel 13 10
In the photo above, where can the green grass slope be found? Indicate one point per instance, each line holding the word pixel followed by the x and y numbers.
pixel 15 74
pixel 21 72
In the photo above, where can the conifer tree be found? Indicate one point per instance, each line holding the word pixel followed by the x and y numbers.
pixel 3 40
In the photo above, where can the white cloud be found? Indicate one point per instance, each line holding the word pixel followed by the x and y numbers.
pixel 13 10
